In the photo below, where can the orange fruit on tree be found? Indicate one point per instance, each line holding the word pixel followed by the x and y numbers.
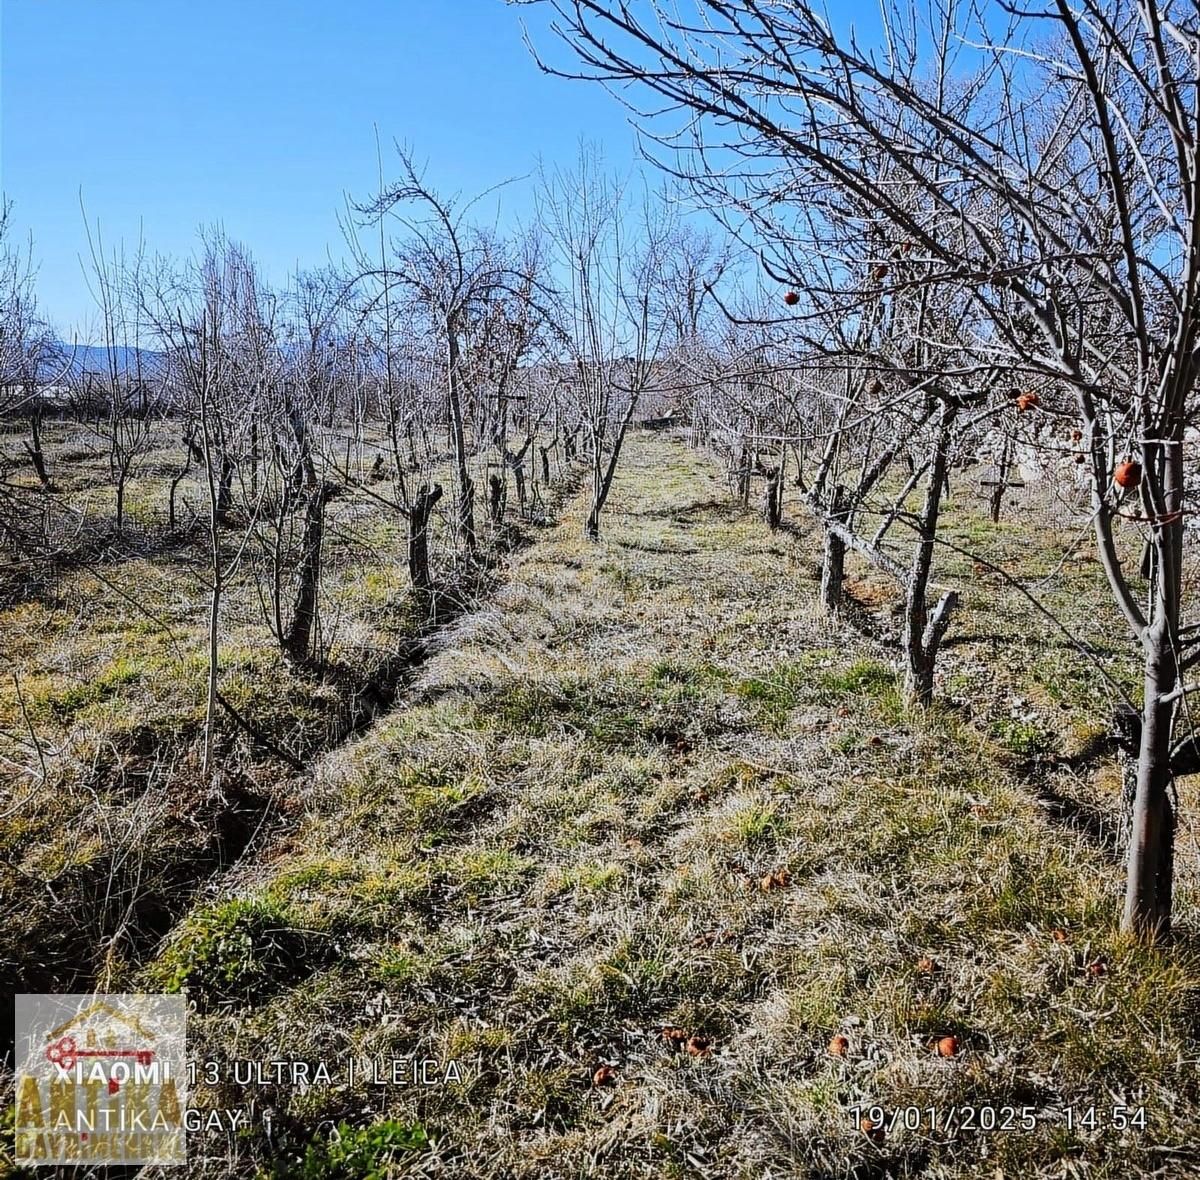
pixel 1128 474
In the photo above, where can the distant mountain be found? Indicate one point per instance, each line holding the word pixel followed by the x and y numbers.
pixel 76 360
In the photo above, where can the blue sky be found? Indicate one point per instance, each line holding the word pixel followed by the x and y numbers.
pixel 259 115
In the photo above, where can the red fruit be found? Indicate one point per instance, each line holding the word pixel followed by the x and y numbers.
pixel 839 1046
pixel 791 299
pixel 1027 401
pixel 606 1075
pixel 699 1045
pixel 1128 474
pixel 947 1046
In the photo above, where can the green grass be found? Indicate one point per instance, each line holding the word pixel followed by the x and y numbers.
pixel 816 679
pixel 232 953
pixel 354 1153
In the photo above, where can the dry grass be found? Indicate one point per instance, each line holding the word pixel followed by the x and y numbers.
pixel 646 787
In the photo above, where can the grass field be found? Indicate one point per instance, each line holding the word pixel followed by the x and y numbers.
pixel 648 863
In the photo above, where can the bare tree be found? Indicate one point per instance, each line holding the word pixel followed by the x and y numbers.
pixel 209 319
pixel 452 271
pixel 123 393
pixel 30 357
pixel 607 315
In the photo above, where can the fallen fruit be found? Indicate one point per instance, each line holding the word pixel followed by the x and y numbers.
pixel 839 1046
pixel 1128 474
pixel 674 1035
pixel 1098 967
pixel 698 1045
pixel 870 1130
pixel 1059 934
pixel 606 1075
pixel 926 965
pixel 1027 401
pixel 947 1046
pixel 778 879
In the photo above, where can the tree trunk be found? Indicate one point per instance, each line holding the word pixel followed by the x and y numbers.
pixel 522 493
pixel 1001 479
pixel 923 632
pixel 466 488
pixel 121 504
pixel 773 503
pixel 1152 827
pixel 210 710
pixel 603 474
pixel 833 567
pixel 225 488
pixel 34 447
pixel 743 474
pixel 418 536
pixel 297 643
pixel 255 456
pixel 545 465
pixel 496 498
pixel 194 448
pixel 1149 886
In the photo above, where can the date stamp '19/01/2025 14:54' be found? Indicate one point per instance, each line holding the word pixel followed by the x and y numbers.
pixel 876 1122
